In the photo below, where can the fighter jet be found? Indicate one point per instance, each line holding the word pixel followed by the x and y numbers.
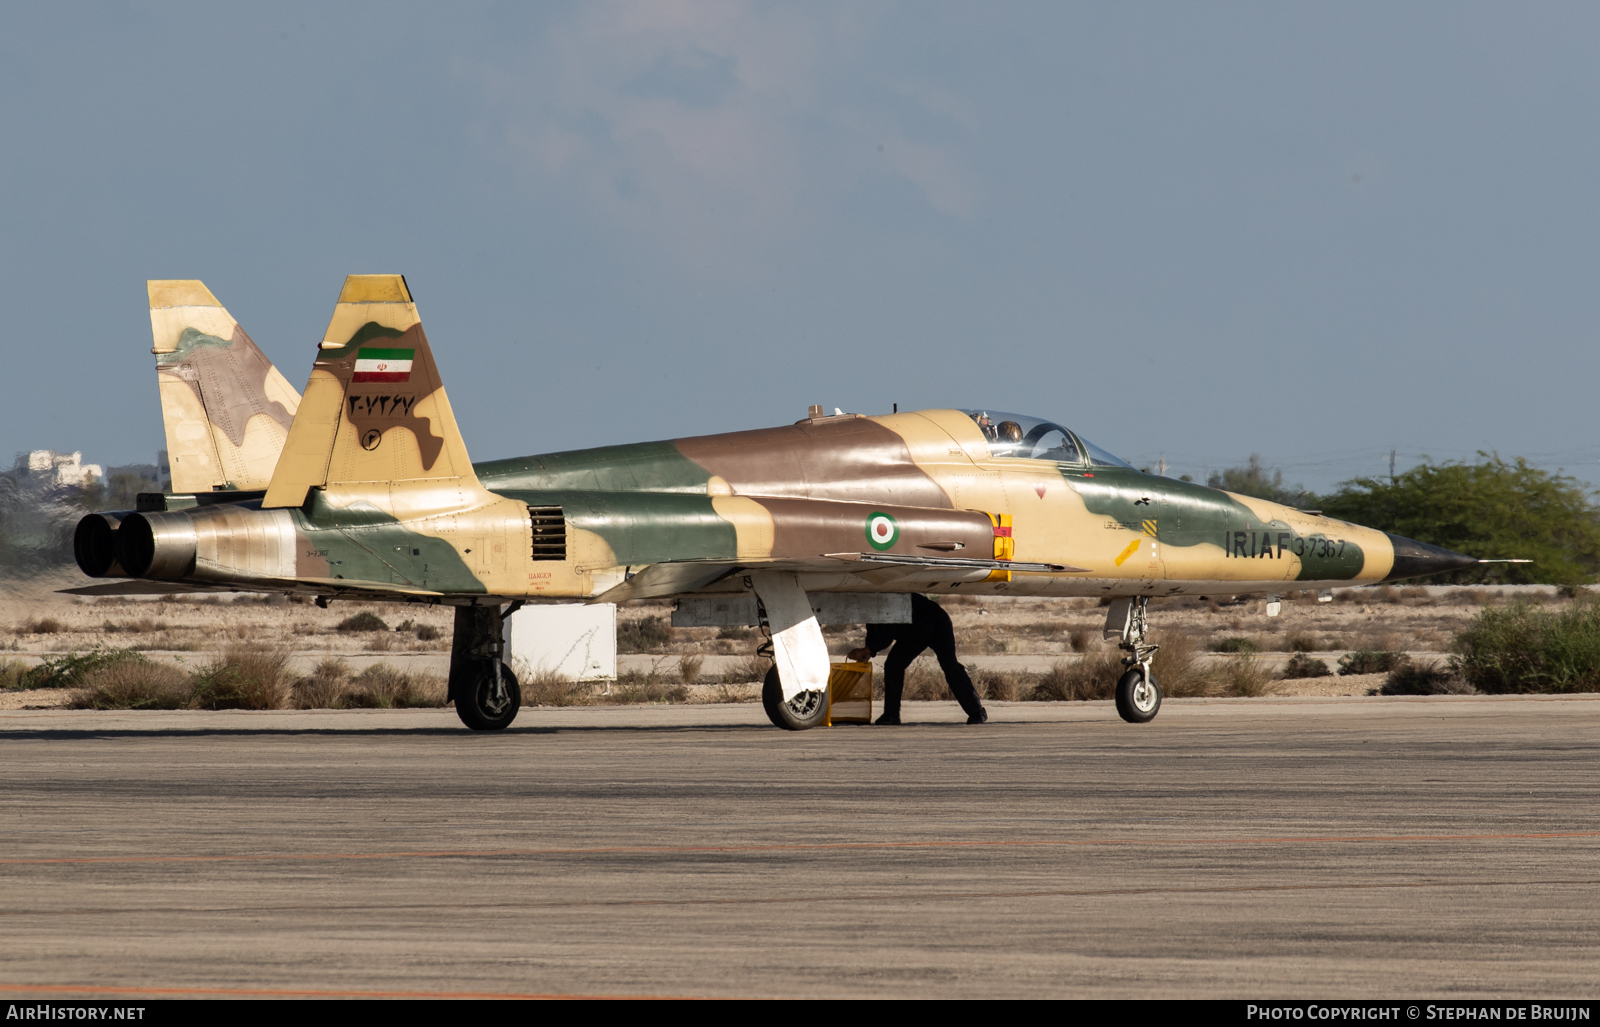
pixel 362 488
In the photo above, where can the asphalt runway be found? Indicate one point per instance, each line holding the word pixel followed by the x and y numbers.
pixel 1252 849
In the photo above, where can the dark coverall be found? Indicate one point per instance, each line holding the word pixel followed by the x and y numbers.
pixel 929 629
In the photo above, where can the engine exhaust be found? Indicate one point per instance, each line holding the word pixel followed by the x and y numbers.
pixel 157 546
pixel 94 544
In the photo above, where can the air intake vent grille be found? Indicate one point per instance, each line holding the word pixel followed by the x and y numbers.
pixel 549 532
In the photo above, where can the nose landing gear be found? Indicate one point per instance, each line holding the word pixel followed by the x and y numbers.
pixel 1138 694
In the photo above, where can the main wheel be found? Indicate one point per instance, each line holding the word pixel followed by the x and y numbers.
pixel 478 706
pixel 1138 699
pixel 805 710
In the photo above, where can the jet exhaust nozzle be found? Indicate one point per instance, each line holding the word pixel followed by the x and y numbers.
pixel 157 546
pixel 94 544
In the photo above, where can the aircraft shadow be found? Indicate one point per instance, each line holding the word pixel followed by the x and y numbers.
pixel 89 734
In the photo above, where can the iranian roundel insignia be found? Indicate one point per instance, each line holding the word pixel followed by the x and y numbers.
pixel 882 531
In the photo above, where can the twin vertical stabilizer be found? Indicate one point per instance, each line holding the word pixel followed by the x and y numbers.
pixel 375 410
pixel 226 409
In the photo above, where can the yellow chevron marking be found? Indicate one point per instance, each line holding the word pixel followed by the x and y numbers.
pixel 1150 528
pixel 1133 547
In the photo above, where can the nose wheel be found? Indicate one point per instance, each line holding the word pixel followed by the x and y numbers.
pixel 1138 696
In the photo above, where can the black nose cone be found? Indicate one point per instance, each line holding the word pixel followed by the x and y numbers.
pixel 1413 559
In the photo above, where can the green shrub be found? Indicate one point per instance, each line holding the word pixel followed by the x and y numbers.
pixel 1369 661
pixel 366 620
pixel 1233 644
pixel 68 671
pixel 1521 648
pixel 642 635
pixel 1302 666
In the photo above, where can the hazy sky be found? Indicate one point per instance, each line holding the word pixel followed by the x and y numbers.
pixel 1311 231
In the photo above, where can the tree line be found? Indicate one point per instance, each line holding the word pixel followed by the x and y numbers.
pixel 1491 508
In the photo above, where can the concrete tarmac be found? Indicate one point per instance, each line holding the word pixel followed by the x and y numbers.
pixel 1433 848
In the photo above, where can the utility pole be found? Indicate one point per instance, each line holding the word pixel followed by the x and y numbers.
pixel 1391 467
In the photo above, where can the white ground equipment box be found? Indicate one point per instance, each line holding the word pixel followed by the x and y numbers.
pixel 576 640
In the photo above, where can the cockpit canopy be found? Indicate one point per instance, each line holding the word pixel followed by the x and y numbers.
pixel 1022 437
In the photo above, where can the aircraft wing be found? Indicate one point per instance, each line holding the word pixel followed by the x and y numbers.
pixel 662 580
pixel 308 586
pixel 136 587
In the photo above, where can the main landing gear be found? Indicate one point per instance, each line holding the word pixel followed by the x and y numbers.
pixel 1138 694
pixel 484 689
pixel 805 710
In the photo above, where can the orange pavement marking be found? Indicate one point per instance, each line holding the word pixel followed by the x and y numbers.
pixel 817 847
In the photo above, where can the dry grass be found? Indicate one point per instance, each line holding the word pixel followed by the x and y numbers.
pixel 689 668
pixel 382 687
pixel 323 689
pixel 635 688
pixel 1177 668
pixel 41 626
pixel 331 686
pixel 551 688
pixel 142 626
pixel 12 674
pixel 752 669
pixel 135 684
pixel 1244 677
pixel 245 677
pixel 1092 677
pixel 1000 685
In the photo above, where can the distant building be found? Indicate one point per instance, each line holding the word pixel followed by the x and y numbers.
pixel 46 466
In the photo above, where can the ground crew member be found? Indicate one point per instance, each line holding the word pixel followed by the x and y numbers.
pixel 929 629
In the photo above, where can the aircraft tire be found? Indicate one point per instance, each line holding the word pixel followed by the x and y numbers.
pixel 475 698
pixel 806 710
pixel 1138 703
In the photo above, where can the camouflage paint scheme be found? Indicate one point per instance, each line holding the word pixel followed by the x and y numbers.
pixel 226 409
pixel 372 493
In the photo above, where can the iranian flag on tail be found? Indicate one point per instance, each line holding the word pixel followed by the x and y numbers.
pixel 383 365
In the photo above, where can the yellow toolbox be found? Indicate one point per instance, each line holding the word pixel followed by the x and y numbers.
pixel 849 694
